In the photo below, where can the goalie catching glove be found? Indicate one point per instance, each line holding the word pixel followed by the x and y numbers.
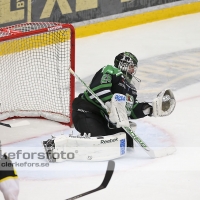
pixel 117 110
pixel 164 103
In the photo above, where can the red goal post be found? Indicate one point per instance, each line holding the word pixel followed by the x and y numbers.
pixel 34 71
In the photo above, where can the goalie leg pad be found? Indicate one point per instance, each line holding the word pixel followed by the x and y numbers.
pixel 85 148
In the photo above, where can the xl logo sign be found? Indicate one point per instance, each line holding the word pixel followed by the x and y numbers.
pixel 21 10
pixel 16 10
pixel 8 14
pixel 65 7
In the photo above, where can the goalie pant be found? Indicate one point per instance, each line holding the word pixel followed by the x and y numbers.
pixel 9 184
pixel 89 122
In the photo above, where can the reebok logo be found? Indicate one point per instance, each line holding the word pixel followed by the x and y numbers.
pixel 109 141
pixel 54 28
pixel 81 110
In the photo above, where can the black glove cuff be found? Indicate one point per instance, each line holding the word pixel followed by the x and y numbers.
pixel 145 106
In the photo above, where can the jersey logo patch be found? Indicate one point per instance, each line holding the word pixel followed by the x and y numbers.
pixel 129 98
pixel 129 103
pixel 106 78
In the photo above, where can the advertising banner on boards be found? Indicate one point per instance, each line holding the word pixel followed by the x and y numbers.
pixel 67 11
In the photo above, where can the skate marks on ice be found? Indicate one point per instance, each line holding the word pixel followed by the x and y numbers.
pixel 175 71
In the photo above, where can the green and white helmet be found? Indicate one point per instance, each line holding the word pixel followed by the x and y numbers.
pixel 127 63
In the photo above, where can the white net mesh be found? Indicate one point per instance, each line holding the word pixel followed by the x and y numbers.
pixel 34 76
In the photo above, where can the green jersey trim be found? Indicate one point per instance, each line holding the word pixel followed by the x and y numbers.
pixel 132 112
pixel 107 98
pixel 109 69
pixel 92 101
pixel 102 86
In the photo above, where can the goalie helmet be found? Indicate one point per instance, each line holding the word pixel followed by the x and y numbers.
pixel 127 63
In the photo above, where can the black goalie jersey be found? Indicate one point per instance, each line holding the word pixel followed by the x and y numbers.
pixel 106 82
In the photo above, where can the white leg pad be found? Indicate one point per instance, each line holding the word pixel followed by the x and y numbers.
pixel 84 148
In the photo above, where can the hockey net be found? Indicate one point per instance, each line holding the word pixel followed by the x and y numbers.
pixel 34 76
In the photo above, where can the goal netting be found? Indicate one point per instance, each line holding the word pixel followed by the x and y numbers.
pixel 34 76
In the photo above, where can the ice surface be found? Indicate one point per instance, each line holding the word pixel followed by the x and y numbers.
pixel 136 176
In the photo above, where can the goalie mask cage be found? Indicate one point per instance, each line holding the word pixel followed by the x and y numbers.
pixel 34 71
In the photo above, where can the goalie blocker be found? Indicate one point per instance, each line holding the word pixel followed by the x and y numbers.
pixel 85 148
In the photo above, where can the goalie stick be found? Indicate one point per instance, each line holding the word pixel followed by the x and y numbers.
pixel 153 154
pixel 106 180
pixel 4 124
pixel 16 124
